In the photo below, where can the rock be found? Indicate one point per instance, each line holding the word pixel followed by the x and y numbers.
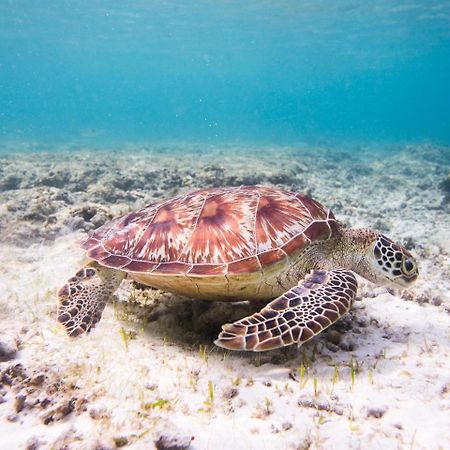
pixel 377 413
pixel 361 322
pixel 332 347
pixel 334 337
pixel 347 344
pixel 274 429
pixel 66 439
pixel 57 179
pixel 87 217
pixel 230 392
pixel 436 301
pixel 10 182
pixel 100 413
pixel 99 446
pixel 120 441
pixel 170 437
pixel 59 412
pixel 19 402
pixel 37 380
pixel 33 443
pixel 286 426
pixel 66 407
pixel 8 350
pixel 44 402
pixel 423 298
pixel 80 405
pixel 321 406
pixel 13 374
pixel 408 296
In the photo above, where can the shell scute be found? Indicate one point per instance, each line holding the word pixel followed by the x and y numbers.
pixel 297 242
pixel 318 231
pixel 115 261
pixel 122 239
pixel 173 268
pixel 223 231
pixel 141 266
pixel 247 265
pixel 208 269
pixel 165 236
pixel 271 257
pixel 315 209
pixel 278 219
pixel 98 252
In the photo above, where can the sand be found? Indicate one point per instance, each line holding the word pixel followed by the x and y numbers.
pixel 149 372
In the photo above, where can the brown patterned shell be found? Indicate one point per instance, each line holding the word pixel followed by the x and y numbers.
pixel 216 231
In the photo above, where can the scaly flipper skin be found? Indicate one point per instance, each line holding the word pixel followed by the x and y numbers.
pixel 296 316
pixel 83 298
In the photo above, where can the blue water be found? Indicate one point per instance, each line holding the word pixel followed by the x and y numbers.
pixel 102 72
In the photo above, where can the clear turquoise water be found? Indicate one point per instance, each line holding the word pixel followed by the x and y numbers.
pixel 102 72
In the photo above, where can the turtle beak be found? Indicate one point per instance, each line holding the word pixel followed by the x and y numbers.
pixel 412 279
pixel 407 281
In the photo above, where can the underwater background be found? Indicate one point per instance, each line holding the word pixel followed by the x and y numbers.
pixel 102 73
pixel 108 106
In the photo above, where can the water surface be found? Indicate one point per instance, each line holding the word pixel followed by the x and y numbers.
pixel 110 72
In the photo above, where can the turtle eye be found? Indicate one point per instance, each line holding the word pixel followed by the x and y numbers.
pixel 408 266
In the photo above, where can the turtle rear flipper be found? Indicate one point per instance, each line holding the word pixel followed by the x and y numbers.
pixel 83 298
pixel 296 316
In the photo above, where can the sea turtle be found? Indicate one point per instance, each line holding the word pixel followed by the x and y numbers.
pixel 235 244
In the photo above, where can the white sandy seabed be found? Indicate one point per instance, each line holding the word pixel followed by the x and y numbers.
pixel 149 374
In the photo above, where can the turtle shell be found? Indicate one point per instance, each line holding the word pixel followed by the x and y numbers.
pixel 216 231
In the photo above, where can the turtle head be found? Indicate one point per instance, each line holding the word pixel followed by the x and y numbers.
pixel 391 263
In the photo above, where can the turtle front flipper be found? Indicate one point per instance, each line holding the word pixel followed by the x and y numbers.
pixel 296 316
pixel 83 298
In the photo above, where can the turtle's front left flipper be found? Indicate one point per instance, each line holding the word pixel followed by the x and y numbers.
pixel 296 316
pixel 84 296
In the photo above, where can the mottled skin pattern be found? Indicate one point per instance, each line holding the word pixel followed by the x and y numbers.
pixel 88 290
pixel 296 316
pixel 243 243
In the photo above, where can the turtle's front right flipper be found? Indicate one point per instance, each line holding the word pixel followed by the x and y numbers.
pixel 296 316
pixel 84 296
